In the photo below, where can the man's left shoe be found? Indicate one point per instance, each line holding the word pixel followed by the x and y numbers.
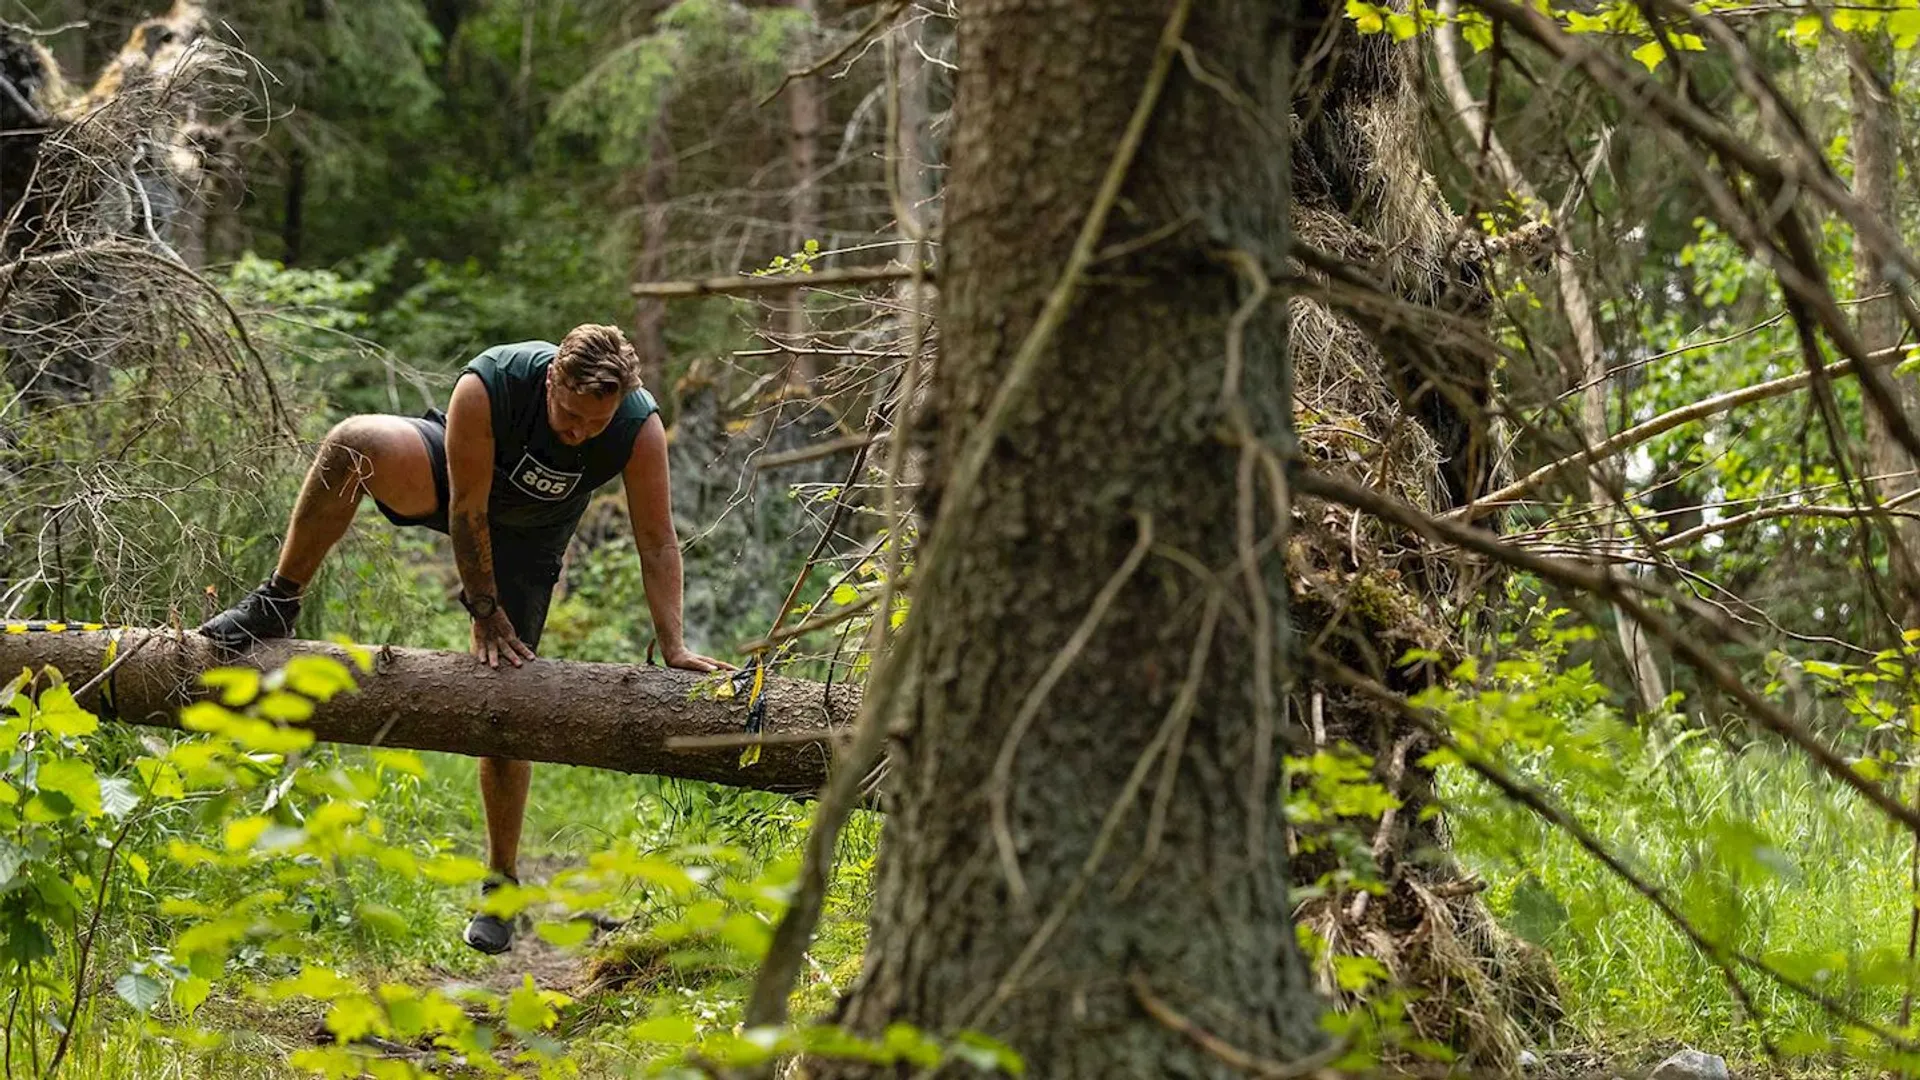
pixel 491 934
pixel 261 615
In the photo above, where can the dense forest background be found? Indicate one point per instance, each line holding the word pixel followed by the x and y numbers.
pixel 1482 435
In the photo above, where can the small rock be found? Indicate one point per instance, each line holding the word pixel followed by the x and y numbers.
pixel 1529 1060
pixel 1691 1064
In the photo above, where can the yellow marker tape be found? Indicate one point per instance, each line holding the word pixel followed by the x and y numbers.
pixel 751 754
pixel 106 687
pixel 16 628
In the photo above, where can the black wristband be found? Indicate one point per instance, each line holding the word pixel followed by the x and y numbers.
pixel 479 607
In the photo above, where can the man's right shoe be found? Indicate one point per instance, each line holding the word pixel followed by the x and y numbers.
pixel 490 934
pixel 261 615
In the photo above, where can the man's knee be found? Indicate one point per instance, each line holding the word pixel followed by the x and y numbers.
pixel 360 448
pixel 348 453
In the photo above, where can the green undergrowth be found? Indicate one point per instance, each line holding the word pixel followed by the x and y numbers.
pixel 279 908
pixel 1765 856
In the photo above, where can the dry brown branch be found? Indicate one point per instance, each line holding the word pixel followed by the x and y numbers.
pixel 1622 441
pixel 1836 513
pixel 879 23
pixel 742 285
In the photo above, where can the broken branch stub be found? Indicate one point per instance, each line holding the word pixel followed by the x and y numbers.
pixel 622 717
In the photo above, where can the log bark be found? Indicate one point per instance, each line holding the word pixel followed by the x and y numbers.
pixel 609 716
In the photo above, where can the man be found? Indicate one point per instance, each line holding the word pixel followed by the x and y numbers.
pixel 506 471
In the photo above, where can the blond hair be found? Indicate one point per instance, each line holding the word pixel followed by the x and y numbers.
pixel 597 360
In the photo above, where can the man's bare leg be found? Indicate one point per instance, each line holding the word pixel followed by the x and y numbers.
pixel 503 791
pixel 381 454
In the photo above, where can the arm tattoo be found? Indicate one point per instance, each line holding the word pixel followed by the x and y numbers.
pixel 473 550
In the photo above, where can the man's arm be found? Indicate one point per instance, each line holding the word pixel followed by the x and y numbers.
pixel 650 508
pixel 470 481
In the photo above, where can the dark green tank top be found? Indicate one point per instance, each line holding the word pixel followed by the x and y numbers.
pixel 540 484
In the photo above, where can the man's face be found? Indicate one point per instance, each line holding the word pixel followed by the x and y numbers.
pixel 575 416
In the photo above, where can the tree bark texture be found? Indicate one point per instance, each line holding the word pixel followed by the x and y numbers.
pixel 608 716
pixel 656 193
pixel 1120 428
pixel 1875 146
pixel 804 116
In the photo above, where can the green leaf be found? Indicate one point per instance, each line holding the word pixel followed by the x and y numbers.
pixel 1852 20
pixel 1652 54
pixel 528 1009
pixel 161 779
pixel 912 1045
pixel 318 677
pixel 117 797
pixel 844 594
pixel 142 992
pixel 61 715
pixel 314 982
pixel 566 935
pixel 1904 26
pixel 382 920
pixel 1367 18
pixel 12 858
pixel 236 686
pixel 285 707
pixel 241 833
pixel 988 1054
pixel 672 1030
pixel 355 1017
pixel 23 939
pixel 74 779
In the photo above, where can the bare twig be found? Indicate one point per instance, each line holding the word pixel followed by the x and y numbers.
pixel 740 284
pixel 1622 441
pixel 866 33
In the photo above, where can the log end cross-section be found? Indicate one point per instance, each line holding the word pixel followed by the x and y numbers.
pixel 622 717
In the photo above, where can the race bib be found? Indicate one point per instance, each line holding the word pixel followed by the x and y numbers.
pixel 542 482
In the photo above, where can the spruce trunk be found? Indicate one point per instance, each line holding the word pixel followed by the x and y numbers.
pixel 1123 427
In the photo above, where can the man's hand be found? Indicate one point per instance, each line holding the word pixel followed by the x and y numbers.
pixel 688 660
pixel 494 639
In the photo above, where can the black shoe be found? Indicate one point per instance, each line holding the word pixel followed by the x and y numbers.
pixel 261 615
pixel 491 934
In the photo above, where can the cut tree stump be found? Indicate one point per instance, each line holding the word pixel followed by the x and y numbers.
pixel 623 717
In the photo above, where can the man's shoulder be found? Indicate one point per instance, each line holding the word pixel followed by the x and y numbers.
pixel 638 405
pixel 520 358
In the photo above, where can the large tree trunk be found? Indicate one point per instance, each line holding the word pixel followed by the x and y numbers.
pixel 1119 431
pixel 609 716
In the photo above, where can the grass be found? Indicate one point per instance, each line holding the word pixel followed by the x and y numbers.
pixel 1761 853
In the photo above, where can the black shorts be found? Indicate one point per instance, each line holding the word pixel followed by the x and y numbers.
pixel 526 565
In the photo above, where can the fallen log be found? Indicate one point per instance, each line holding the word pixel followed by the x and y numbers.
pixel 623 717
